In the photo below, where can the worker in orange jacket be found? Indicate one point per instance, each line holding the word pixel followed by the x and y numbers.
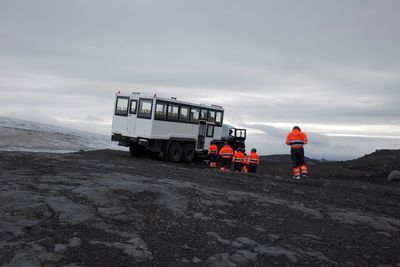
pixel 239 160
pixel 226 154
pixel 213 153
pixel 296 139
pixel 244 169
pixel 253 160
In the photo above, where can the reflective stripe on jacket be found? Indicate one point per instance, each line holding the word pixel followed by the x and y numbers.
pixel 296 139
pixel 253 158
pixel 226 152
pixel 239 157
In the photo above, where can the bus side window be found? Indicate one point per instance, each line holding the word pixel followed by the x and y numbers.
pixel 161 111
pixel 145 108
pixel 184 114
pixel 203 114
pixel 173 112
pixel 194 114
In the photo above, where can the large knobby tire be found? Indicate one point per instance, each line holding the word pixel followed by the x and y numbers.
pixel 137 151
pixel 175 152
pixel 188 152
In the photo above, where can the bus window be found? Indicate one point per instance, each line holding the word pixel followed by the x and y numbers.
pixel 194 114
pixel 161 111
pixel 173 111
pixel 121 107
pixel 218 118
pixel 184 114
pixel 132 109
pixel 145 106
pixel 203 114
pixel 211 116
pixel 210 130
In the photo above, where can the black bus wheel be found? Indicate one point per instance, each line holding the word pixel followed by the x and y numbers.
pixel 175 152
pixel 188 152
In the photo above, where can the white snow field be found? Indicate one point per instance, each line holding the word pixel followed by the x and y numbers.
pixel 21 135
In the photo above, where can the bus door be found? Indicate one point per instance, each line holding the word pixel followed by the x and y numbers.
pixel 209 133
pixel 202 134
pixel 131 121
pixel 210 127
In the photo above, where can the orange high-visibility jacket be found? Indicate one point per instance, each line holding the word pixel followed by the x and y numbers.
pixel 239 157
pixel 296 139
pixel 212 149
pixel 253 158
pixel 226 152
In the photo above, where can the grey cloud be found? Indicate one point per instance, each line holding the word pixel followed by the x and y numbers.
pixel 302 34
pixel 272 131
pixel 264 61
pixel 274 134
pixel 320 146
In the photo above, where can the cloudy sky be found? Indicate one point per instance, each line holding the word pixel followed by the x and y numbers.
pixel 331 67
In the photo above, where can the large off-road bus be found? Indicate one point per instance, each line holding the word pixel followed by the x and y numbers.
pixel 177 129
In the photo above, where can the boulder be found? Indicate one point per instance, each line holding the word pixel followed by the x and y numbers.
pixel 394 176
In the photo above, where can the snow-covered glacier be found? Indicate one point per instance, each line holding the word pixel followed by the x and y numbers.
pixel 21 135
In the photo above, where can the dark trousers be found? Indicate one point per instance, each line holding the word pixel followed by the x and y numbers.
pixel 252 168
pixel 213 158
pixel 238 166
pixel 226 163
pixel 297 155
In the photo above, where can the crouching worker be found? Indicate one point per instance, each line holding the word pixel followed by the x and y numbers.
pixel 239 160
pixel 253 160
pixel 244 169
pixel 226 154
pixel 213 153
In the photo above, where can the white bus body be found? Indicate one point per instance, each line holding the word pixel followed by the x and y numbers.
pixel 175 128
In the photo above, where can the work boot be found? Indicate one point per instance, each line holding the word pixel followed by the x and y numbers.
pixel 296 177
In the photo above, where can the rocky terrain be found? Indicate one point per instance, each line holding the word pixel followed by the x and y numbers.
pixel 104 208
pixel 371 168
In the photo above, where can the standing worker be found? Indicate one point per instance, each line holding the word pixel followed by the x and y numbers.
pixel 212 153
pixel 253 160
pixel 239 160
pixel 296 139
pixel 226 154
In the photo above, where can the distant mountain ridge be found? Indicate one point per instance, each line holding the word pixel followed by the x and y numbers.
pixel 21 135
pixel 379 155
pixel 382 154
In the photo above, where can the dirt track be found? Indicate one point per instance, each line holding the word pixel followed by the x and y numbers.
pixel 104 208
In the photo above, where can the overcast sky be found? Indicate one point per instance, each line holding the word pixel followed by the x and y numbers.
pixel 331 67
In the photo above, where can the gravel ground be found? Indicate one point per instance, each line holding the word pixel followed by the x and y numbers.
pixel 104 208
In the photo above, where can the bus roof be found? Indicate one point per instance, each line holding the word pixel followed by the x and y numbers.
pixel 172 100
